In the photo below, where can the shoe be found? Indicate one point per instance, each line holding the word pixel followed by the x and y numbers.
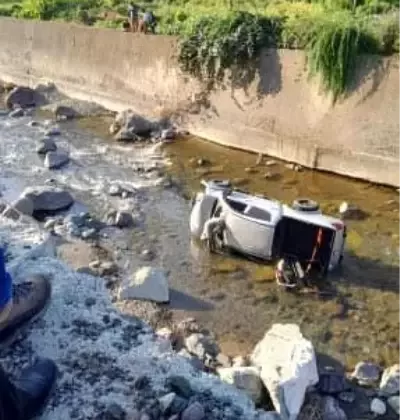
pixel 30 299
pixel 34 387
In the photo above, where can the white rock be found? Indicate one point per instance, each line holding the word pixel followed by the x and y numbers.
pixel 244 378
pixel 147 283
pixel 164 333
pixel 288 367
pixel 390 382
pixel 394 402
pixel 378 406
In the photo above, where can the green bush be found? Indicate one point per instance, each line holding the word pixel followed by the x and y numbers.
pixel 212 46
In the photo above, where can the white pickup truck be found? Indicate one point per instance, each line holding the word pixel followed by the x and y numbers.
pixel 267 229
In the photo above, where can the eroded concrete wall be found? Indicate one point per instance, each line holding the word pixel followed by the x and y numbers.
pixel 281 113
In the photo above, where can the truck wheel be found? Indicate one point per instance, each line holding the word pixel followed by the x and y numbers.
pixel 305 204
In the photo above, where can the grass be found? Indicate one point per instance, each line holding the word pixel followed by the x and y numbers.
pixel 221 39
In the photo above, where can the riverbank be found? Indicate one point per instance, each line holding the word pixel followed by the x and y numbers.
pixel 239 298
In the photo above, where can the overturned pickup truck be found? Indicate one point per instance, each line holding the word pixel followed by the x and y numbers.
pixel 267 229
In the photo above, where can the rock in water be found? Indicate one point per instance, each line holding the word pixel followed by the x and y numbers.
pixel 65 112
pixel 45 145
pixel 17 113
pixel 244 378
pixel 390 382
pixel 22 97
pixel 366 373
pixel 55 160
pixel 394 403
pixel 147 283
pixel 378 407
pixel 132 122
pixel 48 198
pixel 288 367
pixel 123 219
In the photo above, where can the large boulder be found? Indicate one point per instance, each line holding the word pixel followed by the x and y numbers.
pixel 24 205
pixel 390 381
pixel 23 97
pixel 56 159
pixel 128 121
pixel 244 378
pixel 48 198
pixel 147 283
pixel 288 367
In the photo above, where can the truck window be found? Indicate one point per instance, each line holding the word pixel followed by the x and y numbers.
pixel 257 213
pixel 236 205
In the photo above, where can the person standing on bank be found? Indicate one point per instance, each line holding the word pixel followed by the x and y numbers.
pixel 133 17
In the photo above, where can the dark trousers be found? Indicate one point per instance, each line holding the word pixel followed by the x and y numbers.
pixel 9 399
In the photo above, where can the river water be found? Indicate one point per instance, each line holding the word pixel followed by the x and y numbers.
pixel 236 299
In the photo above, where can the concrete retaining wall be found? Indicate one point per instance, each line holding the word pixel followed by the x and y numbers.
pixel 281 113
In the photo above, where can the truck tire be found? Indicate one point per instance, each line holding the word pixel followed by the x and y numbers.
pixel 305 204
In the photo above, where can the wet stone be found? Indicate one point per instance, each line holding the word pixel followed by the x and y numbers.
pixel 141 382
pixel 180 386
pixel 115 412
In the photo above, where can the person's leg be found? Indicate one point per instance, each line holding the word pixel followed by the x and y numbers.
pixel 9 399
pixel 26 398
pixel 20 303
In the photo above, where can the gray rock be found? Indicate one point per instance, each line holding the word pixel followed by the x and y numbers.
pixel 10 213
pixel 52 131
pixel 180 385
pixel 201 345
pixel 394 403
pixel 107 268
pixel 135 123
pixel 46 145
pixel 23 97
pixel 33 124
pixel 146 283
pixel 347 396
pixel 244 378
pixel 115 190
pixel 166 401
pixel 48 198
pixel 125 134
pixel 17 113
pixel 195 411
pixel 378 407
pixel 115 412
pixel 332 410
pixel 123 219
pixel 168 134
pixel 350 211
pixel 193 360
pixel 332 382
pixel 366 373
pixel 390 381
pixel 89 233
pixel 65 112
pixel 55 160
pixel 24 205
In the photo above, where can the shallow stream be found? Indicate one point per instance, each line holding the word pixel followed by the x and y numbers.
pixel 238 300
